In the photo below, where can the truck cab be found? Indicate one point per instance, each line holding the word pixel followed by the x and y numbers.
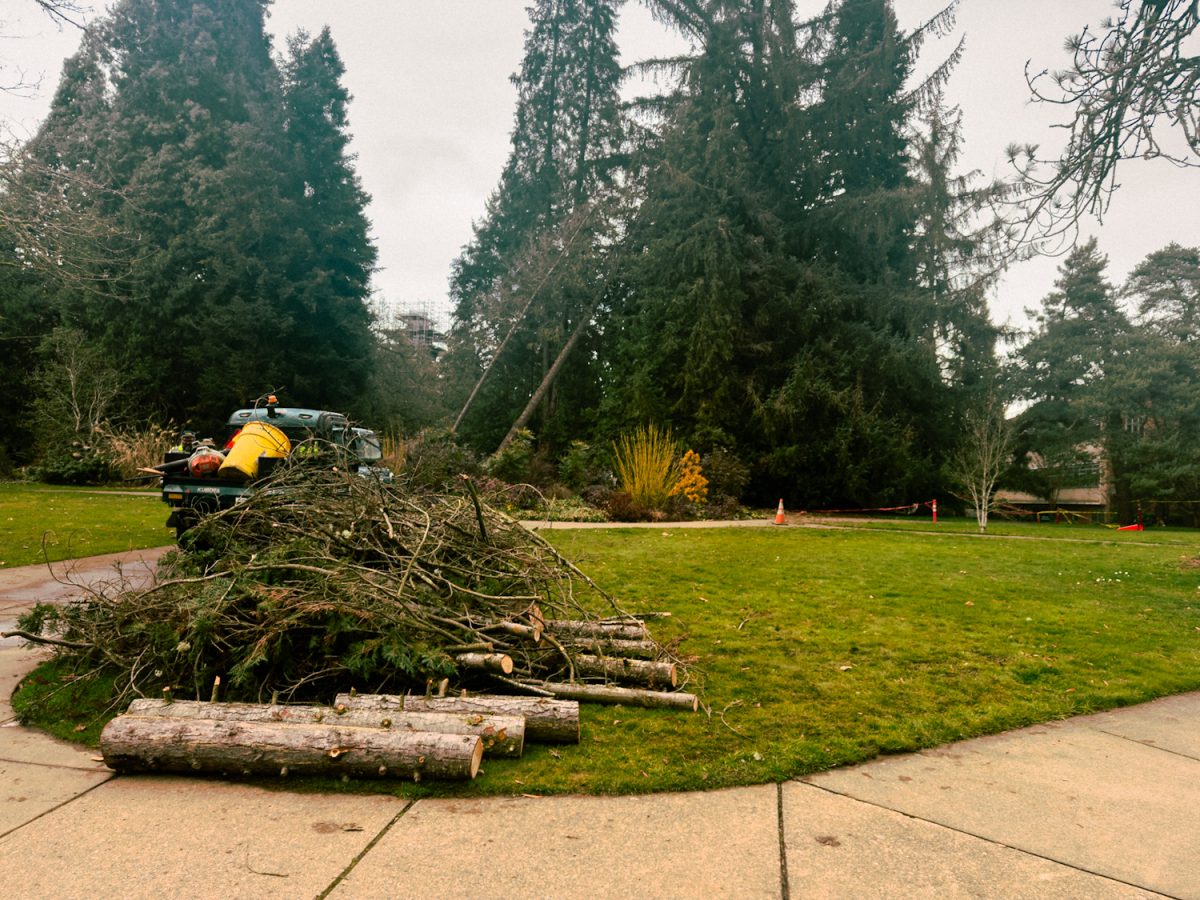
pixel 299 425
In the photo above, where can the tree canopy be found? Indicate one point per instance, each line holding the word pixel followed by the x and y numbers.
pixel 252 258
pixel 1113 395
pixel 776 257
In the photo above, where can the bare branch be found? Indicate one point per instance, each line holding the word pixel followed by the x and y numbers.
pixel 52 222
pixel 1131 90
pixel 65 12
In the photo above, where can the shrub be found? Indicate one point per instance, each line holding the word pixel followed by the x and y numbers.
pixel 691 485
pixel 78 464
pixel 584 465
pixel 646 466
pixel 597 495
pixel 130 449
pixel 434 460
pixel 723 506
pixel 726 473
pixel 512 462
pixel 621 507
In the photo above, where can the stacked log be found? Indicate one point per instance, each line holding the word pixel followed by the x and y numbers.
pixel 361 735
pixel 641 649
pixel 166 744
pixel 546 721
pixel 498 663
pixel 502 735
pixel 629 630
pixel 604 693
pixel 380 735
pixel 654 674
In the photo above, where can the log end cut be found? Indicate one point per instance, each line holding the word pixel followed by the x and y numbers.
pixel 476 759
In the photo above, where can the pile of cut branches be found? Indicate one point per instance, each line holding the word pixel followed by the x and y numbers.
pixel 324 580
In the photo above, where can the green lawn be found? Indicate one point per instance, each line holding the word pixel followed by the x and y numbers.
pixel 817 648
pixel 813 648
pixel 75 522
pixel 1015 528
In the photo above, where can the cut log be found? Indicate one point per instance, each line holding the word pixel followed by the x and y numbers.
pixel 502 736
pixel 162 744
pixel 602 693
pixel 546 721
pixel 653 674
pixel 624 631
pixel 486 662
pixel 529 632
pixel 614 647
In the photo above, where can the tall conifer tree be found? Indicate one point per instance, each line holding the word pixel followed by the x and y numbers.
pixel 565 143
pixel 1061 371
pixel 179 107
pixel 863 220
pixel 333 275
pixel 698 334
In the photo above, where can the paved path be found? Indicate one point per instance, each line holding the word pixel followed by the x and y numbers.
pixel 1094 807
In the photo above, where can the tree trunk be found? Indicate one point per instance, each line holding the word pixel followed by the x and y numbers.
pixel 546 721
pixel 486 662
pixel 162 744
pixel 653 674
pixel 501 735
pixel 614 647
pixel 527 413
pixel 627 631
pixel 565 249
pixel 600 693
pixel 529 632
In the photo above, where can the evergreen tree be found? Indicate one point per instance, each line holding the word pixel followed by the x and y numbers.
pixel 1075 329
pixel 708 269
pixel 179 108
pixel 958 248
pixel 864 413
pixel 1155 381
pixel 26 315
pixel 332 318
pixel 776 306
pixel 863 222
pixel 1166 289
pixel 1061 374
pixel 566 140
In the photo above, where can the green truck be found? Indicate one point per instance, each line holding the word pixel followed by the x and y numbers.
pixel 198 478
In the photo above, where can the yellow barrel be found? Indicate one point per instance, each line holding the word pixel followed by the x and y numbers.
pixel 256 439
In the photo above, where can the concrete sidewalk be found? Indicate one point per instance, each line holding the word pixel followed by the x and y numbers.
pixel 1098 806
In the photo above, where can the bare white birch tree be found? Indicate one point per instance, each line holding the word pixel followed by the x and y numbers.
pixel 982 455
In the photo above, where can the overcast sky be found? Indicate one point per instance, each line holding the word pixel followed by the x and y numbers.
pixel 432 113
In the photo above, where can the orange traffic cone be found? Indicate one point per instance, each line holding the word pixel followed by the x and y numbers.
pixel 779 520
